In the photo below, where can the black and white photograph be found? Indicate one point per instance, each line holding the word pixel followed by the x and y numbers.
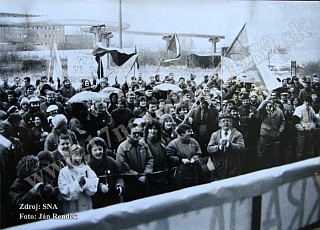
pixel 159 115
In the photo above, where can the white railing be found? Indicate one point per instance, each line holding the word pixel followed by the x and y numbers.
pixel 286 197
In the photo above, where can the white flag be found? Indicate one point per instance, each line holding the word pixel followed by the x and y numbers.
pixel 56 63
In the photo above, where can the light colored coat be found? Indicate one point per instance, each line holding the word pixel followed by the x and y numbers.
pixel 228 160
pixel 74 197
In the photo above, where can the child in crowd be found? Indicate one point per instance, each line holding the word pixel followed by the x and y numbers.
pixel 77 183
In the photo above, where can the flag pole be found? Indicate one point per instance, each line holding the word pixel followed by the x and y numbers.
pixel 100 66
pixel 50 61
pixel 131 68
pixel 134 69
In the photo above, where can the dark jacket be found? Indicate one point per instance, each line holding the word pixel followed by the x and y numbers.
pixel 135 158
pixel 108 172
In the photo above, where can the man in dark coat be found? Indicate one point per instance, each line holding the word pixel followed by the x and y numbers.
pixel 250 127
pixel 136 162
pixel 204 123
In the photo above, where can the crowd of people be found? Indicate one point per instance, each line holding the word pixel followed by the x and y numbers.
pixel 139 141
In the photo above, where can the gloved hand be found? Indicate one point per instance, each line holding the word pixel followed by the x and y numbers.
pixel 82 181
pixel 224 143
pixel 47 190
pixel 104 188
pixel 119 190
pixel 142 179
pixel 185 161
pixel 39 186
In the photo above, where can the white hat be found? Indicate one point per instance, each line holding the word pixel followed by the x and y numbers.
pixel 34 99
pixel 51 108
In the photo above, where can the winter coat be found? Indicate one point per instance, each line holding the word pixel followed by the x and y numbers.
pixel 227 162
pixel 108 172
pixel 134 158
pixel 74 197
pixel 184 175
pixel 272 126
pixel 135 161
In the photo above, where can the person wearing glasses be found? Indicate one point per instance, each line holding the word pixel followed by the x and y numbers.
pixel 136 162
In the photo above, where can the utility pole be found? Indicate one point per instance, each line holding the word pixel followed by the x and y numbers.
pixel 214 40
pixel 120 24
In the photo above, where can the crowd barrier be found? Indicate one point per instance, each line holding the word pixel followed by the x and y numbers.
pixel 285 197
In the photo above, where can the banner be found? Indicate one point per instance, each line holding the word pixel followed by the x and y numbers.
pixel 80 65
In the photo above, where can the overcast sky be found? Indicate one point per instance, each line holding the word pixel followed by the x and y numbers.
pixel 263 18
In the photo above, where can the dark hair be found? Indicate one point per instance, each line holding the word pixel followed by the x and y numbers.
pixel 45 157
pixel 149 125
pixel 292 99
pixel 79 110
pixel 182 128
pixel 45 87
pixel 64 136
pixel 131 126
pixel 41 116
pixel 123 102
pixel 180 106
pixel 24 166
pixel 83 81
pixel 30 86
pixel 96 141
pixel 142 98
pixel 152 102
pixel 113 94
pixel 308 99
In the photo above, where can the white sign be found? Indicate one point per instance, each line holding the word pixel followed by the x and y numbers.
pixel 82 65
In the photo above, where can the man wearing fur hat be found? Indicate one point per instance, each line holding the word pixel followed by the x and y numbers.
pixel 225 146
